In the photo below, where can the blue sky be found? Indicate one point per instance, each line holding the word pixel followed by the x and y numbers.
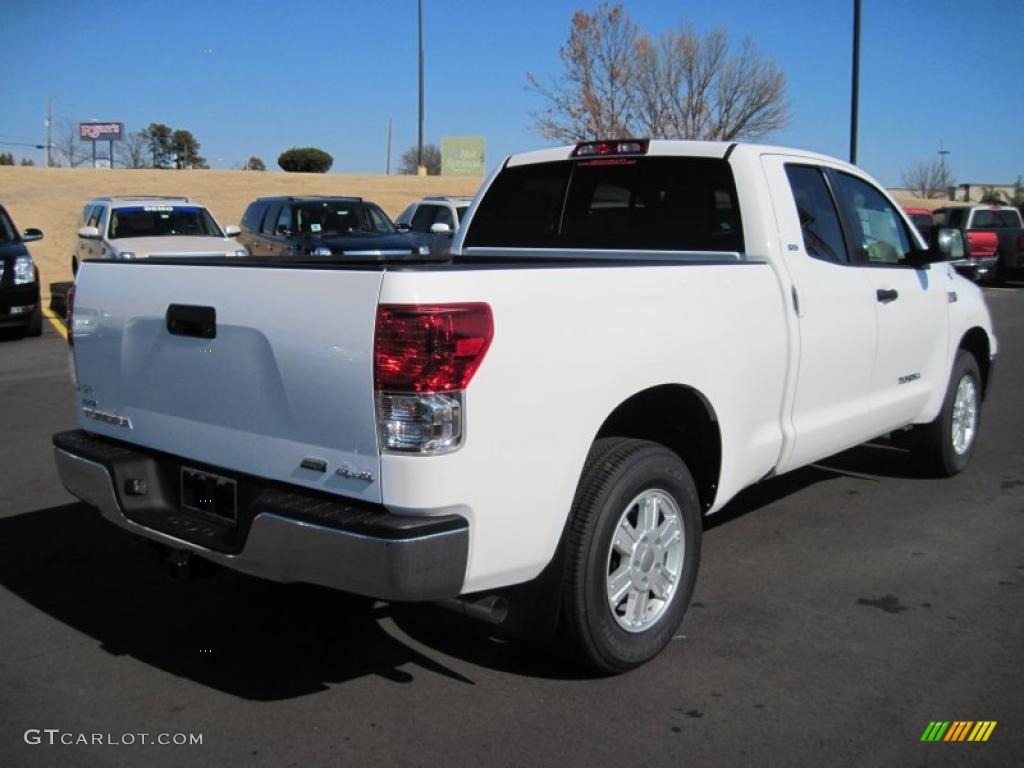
pixel 331 74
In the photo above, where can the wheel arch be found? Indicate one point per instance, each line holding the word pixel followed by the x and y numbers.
pixel 680 418
pixel 976 342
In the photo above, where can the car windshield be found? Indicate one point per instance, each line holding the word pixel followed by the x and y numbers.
pixel 339 218
pixel 162 221
pixel 922 221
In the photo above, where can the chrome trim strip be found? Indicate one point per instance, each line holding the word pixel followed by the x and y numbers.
pixel 696 257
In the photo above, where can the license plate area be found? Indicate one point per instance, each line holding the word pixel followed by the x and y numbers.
pixel 209 496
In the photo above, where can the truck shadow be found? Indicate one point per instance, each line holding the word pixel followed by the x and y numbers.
pixel 251 638
pixel 265 641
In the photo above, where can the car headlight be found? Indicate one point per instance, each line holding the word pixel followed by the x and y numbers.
pixel 242 253
pixel 23 272
pixel 321 250
pixel 127 255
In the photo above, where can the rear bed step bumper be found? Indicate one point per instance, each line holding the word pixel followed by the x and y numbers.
pixel 367 552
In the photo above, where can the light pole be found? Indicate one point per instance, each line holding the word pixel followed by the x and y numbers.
pixel 419 145
pixel 856 82
pixel 942 162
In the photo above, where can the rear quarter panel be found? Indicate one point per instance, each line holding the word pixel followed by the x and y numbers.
pixel 570 345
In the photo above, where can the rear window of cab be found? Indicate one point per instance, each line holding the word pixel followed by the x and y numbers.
pixel 642 203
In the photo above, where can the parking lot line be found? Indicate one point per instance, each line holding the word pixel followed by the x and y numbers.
pixel 56 322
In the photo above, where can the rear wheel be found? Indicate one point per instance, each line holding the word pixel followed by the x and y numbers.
pixel 948 442
pixel 633 553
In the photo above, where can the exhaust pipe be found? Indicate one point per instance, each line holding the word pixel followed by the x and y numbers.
pixel 491 609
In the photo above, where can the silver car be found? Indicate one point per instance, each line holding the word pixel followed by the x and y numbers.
pixel 151 226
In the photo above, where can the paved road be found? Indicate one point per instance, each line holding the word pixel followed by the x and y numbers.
pixel 840 609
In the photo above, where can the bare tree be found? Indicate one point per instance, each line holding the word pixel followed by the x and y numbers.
pixel 928 178
pixel 133 150
pixel 617 81
pixel 593 96
pixel 67 145
pixel 431 160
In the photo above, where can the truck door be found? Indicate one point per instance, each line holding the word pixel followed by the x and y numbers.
pixel 912 305
pixel 835 306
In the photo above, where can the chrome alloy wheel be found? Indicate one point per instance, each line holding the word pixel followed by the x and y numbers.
pixel 965 415
pixel 645 559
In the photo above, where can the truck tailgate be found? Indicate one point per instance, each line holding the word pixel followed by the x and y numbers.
pixel 287 377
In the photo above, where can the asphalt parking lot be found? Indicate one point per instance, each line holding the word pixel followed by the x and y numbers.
pixel 839 610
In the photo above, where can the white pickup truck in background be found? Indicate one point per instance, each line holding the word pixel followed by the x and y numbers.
pixel 626 334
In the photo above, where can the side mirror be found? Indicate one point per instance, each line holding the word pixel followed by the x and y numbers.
pixel 32 234
pixel 402 226
pixel 90 233
pixel 440 228
pixel 944 244
pixel 947 244
pixel 231 230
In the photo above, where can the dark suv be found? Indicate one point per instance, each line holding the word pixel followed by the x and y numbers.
pixel 19 279
pixel 324 226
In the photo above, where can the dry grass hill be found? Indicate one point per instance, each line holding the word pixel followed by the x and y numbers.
pixel 52 198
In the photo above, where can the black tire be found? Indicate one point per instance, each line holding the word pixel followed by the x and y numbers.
pixel 939 453
pixel 617 472
pixel 35 322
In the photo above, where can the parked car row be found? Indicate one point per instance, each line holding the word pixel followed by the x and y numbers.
pixel 993 237
pixel 141 227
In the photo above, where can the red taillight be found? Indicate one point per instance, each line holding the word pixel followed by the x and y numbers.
pixel 429 347
pixel 67 315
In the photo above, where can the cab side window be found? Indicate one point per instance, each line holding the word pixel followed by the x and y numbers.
pixel 819 220
pixel 879 234
pixel 284 220
pixel 270 220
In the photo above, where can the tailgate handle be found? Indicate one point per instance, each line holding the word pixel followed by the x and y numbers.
pixel 192 320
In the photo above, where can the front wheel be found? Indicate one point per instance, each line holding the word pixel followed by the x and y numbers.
pixel 948 442
pixel 633 553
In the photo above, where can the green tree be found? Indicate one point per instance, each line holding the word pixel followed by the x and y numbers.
pixel 6 158
pixel 27 161
pixel 431 160
pixel 305 160
pixel 254 164
pixel 186 150
pixel 161 147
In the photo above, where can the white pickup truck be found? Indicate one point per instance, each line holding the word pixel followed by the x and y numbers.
pixel 625 335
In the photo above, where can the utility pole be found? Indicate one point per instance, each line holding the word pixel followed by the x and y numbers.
pixel 49 123
pixel 419 145
pixel 387 163
pixel 856 82
pixel 942 161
